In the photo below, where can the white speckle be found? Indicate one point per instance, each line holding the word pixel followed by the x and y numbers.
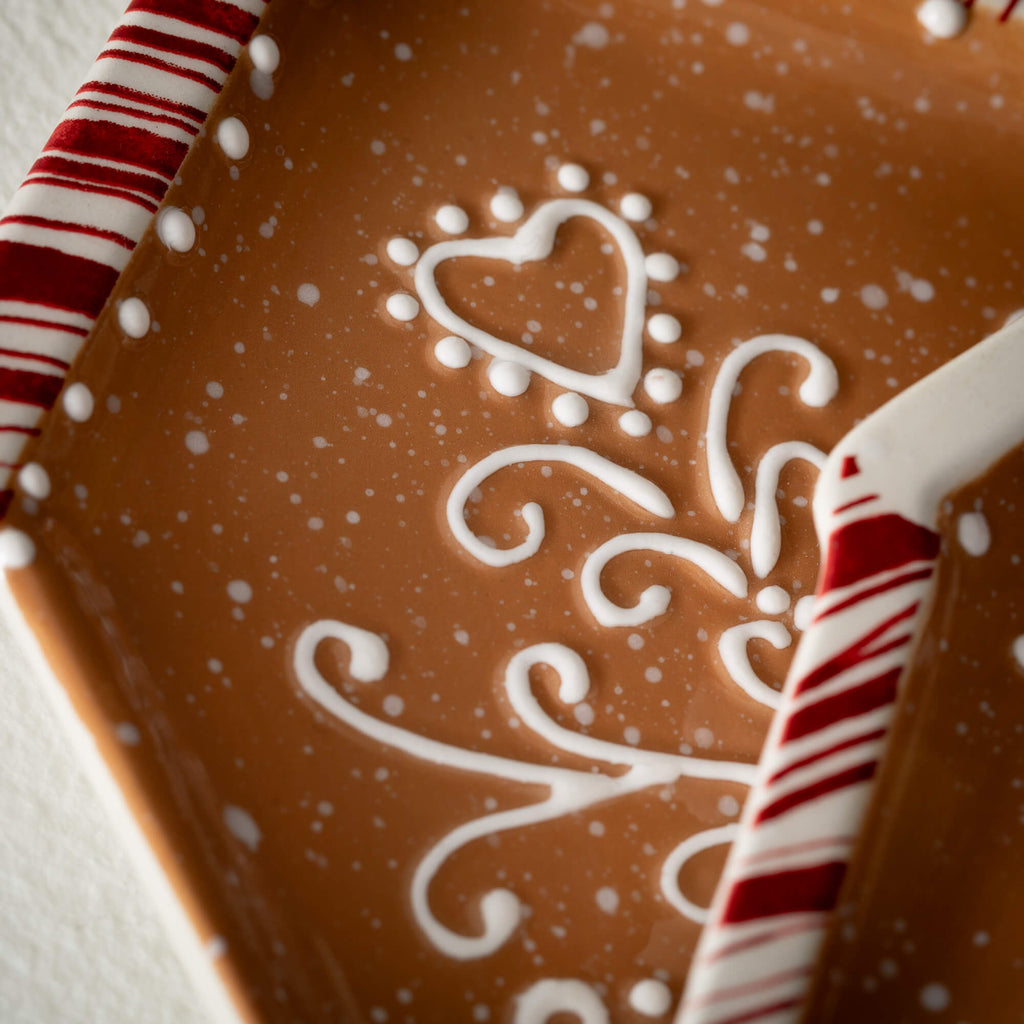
pixel 584 714
pixel 943 19
pixel 403 251
pixel 631 734
pixel 662 266
pixel 453 352
pixel 377 147
pixel 764 102
pixel 754 251
pixel 352 517
pixel 803 613
pixel 216 947
pixel 133 317
pixel 664 328
pixel 874 296
pixel 981 939
pixel 508 378
pixel 451 219
pixel 402 306
pixel 772 600
pixel 264 54
pixel 17 549
pixel 34 481
pixel 815 227
pixel 393 705
pixel 1018 651
pixel 573 177
pixel 635 423
pixel 242 826
pixel 760 232
pixel 127 734
pixel 141 539
pixel 233 138
pixel 215 389
pixel 650 997
pixel 923 291
pixel 506 205
pixel 78 402
pixel 635 642
pixel 704 737
pixel 729 806
pixel 662 385
pixel 607 899
pixel 973 533
pixel 197 442
pixel 593 34
pixel 215 665
pixel 239 591
pixel 737 33
pixel 653 674
pixel 570 409
pixel 461 637
pixel 934 997
pixel 308 294
pixel 829 295
pixel 176 229
pixel 635 207
pixel 403 52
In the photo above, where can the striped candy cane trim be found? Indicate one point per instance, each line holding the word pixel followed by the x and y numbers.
pixel 86 202
pixel 875 511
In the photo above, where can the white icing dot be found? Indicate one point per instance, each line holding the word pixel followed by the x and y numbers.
pixel 452 219
pixel 635 423
pixel 635 207
pixel 133 317
pixel 973 533
pixel 403 251
pixel 233 138
pixel 662 385
pixel 943 19
pixel 403 51
pixel 829 295
pixel 803 613
pixel 594 35
pixel 874 296
pixel 127 734
pixel 570 409
pixel 506 205
pixel 393 705
pixel 264 53
pixel 650 997
pixel 239 591
pixel 34 481
pixel 453 352
pixel 664 328
pixel 607 899
pixel 923 291
pixel 78 402
pixel 242 826
pixel 737 33
pixel 215 389
pixel 1018 651
pixel 729 805
pixel 308 294
pixel 662 266
pixel 17 549
pixel 754 251
pixel 507 378
pixel 573 177
pixel 176 229
pixel 402 306
pixel 772 600
pixel 197 442
pixel 935 997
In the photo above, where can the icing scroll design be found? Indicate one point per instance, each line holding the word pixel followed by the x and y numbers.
pixel 543 999
pixel 630 485
pixel 569 789
pixel 817 390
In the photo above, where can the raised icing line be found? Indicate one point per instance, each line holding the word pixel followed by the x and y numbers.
pixel 630 485
pixel 543 999
pixel 732 648
pixel 674 862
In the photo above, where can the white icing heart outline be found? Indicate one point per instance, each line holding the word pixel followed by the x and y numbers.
pixel 535 241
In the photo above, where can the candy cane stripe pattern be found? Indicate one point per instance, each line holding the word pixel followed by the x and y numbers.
pixel 86 202
pixel 876 510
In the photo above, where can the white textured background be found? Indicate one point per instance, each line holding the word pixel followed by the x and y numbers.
pixel 79 940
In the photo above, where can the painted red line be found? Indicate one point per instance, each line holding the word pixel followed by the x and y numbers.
pixel 849 467
pixel 28 388
pixel 49 277
pixel 65 225
pixel 760 1011
pixel 770 935
pixel 178 45
pixel 137 112
pixel 854 504
pixel 135 147
pixel 881 588
pixel 1008 10
pixel 115 177
pixel 210 14
pixel 787 851
pixel 49 325
pixel 785 892
pixel 854 741
pixel 161 65
pixel 123 92
pixel 27 431
pixel 851 703
pixel 868 547
pixel 749 987
pixel 59 364
pixel 115 193
pixel 842 780
pixel 11 465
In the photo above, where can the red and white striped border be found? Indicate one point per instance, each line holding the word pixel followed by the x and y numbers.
pixel 86 202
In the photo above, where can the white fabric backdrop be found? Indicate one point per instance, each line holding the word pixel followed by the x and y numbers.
pixel 79 940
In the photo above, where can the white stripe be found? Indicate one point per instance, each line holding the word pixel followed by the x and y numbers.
pixel 837 597
pixel 108 213
pixel 72 243
pixel 201 67
pixel 790 858
pixel 99 161
pixel 41 340
pixel 128 120
pixel 815 742
pixel 27 363
pixel 47 179
pixel 859 672
pixel 174 27
pixel 138 105
pixel 256 7
pixel 165 85
pixel 34 311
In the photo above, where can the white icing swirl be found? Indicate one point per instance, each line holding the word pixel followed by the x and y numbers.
pixel 542 1000
pixel 674 862
pixel 732 648
pixel 630 485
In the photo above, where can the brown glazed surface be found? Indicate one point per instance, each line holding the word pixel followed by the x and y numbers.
pixel 327 470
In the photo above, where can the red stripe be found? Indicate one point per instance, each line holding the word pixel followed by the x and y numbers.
pixel 142 115
pixel 136 147
pixel 116 193
pixel 1008 10
pixel 124 92
pixel 858 700
pixel 117 177
pixel 785 892
pixel 854 741
pixel 27 431
pixel 49 277
pixel 49 325
pixel 28 388
pixel 11 465
pixel 871 546
pixel 64 225
pixel 814 921
pixel 760 1012
pixel 849 467
pixel 178 45
pixel 749 987
pixel 855 503
pixel 161 65
pixel 60 364
pixel 210 14
pixel 893 584
pixel 5 502
pixel 842 780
